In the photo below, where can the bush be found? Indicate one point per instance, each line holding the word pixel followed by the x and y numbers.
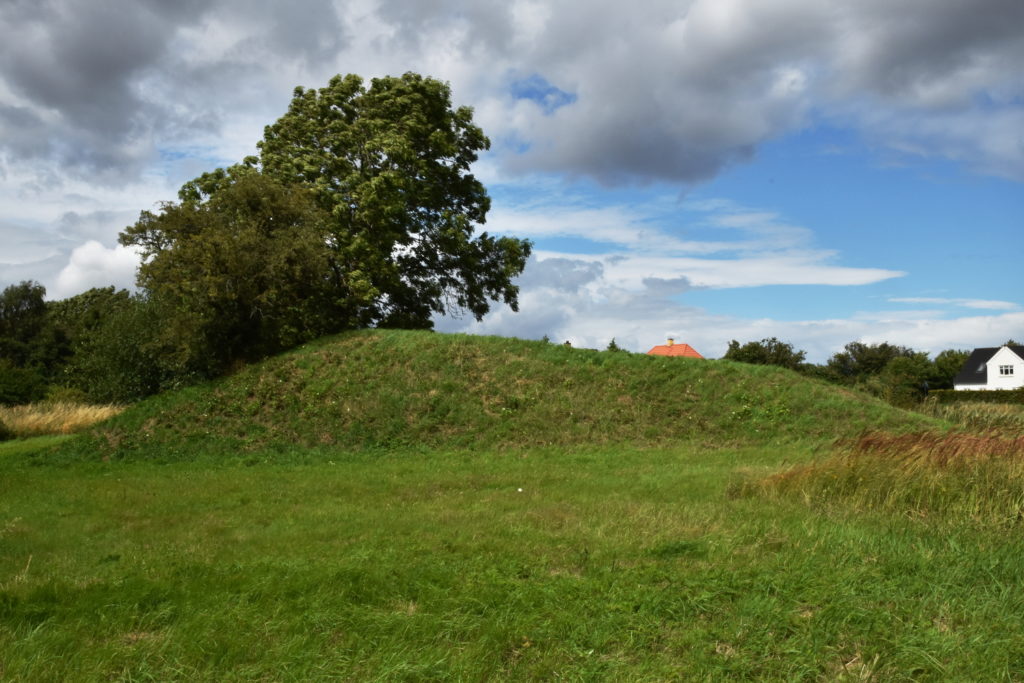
pixel 121 361
pixel 58 394
pixel 5 433
pixel 20 385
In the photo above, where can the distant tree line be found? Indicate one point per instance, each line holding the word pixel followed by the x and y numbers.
pixel 898 374
pixel 108 345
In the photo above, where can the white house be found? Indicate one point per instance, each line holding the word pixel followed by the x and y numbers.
pixel 992 368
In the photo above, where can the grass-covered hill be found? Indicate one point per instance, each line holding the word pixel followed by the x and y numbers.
pixel 685 525
pixel 387 389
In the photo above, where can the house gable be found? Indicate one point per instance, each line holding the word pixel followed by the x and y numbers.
pixel 1006 368
pixel 992 368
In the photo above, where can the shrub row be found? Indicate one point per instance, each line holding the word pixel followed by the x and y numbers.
pixel 947 396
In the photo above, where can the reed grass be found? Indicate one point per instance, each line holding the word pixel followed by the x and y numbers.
pixel 953 477
pixel 1005 418
pixel 41 419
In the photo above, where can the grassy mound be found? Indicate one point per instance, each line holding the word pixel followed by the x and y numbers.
pixel 396 389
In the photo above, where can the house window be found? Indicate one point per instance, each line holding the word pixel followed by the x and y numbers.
pixel 1005 370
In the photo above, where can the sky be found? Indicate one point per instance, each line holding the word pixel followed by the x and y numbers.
pixel 819 171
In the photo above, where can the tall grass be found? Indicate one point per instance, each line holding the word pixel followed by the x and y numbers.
pixel 40 419
pixel 955 477
pixel 1004 418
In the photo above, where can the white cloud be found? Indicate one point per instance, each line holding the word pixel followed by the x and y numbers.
pixel 753 248
pixel 590 316
pixel 94 265
pixel 985 304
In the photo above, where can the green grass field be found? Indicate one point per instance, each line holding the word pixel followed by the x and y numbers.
pixel 213 553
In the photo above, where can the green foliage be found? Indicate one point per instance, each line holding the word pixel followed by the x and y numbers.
pixel 898 374
pixel 5 432
pixel 28 338
pixel 22 312
pixel 359 211
pixel 1007 396
pixel 903 381
pixel 612 346
pixel 945 367
pixel 242 275
pixel 20 385
pixel 122 358
pixel 78 316
pixel 390 164
pixel 768 351
pixel 859 361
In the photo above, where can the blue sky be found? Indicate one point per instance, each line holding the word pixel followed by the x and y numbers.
pixel 821 172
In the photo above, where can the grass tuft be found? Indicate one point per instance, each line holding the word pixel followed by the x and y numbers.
pixel 41 419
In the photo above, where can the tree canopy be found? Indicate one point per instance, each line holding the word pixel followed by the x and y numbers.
pixel 243 274
pixel 858 360
pixel 769 351
pixel 390 166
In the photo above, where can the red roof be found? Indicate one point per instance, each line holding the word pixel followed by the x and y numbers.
pixel 684 350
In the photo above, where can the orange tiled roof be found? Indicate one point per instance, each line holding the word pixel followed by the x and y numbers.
pixel 684 350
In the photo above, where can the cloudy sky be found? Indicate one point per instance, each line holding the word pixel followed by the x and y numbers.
pixel 818 171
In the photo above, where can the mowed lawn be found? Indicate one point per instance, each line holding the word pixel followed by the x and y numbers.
pixel 583 564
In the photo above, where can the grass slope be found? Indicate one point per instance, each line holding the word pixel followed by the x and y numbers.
pixel 397 389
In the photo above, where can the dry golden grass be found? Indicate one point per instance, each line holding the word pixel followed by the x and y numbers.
pixel 934 449
pixel 1005 418
pixel 966 478
pixel 38 419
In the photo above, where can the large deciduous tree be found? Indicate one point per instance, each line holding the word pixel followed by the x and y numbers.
pixel 390 164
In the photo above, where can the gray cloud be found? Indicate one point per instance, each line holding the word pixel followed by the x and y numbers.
pixel 662 287
pixel 663 90
pixel 564 275
pixel 101 226
pixel 572 299
pixel 100 88
pixel 679 91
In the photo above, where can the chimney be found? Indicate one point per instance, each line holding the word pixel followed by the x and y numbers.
pixel 671 341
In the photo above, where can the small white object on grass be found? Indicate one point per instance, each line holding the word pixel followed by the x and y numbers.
pixel 520 490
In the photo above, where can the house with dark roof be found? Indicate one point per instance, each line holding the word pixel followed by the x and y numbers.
pixel 670 348
pixel 999 367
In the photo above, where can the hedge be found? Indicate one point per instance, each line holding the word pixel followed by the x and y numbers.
pixel 945 396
